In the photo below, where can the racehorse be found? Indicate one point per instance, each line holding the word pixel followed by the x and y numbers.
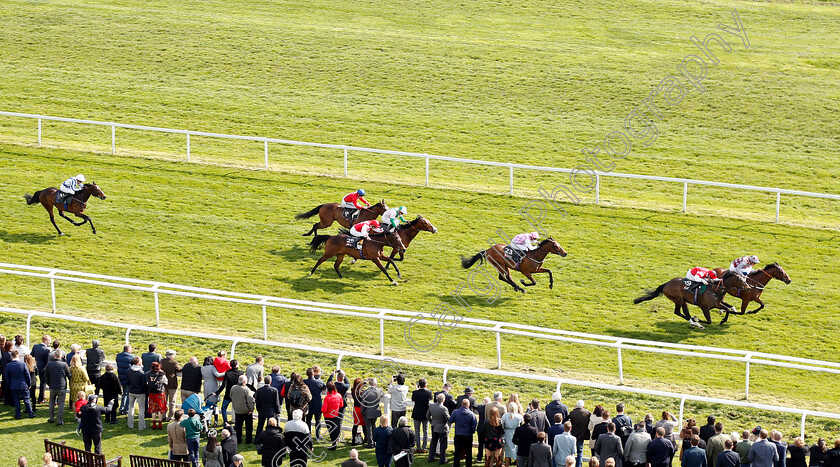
pixel 332 212
pixel 76 205
pixel 336 245
pixel 531 263
pixel 407 232
pixel 711 298
pixel 757 280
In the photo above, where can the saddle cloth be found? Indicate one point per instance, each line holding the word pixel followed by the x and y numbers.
pixel 352 241
pixel 513 255
pixel 695 288
pixel 350 213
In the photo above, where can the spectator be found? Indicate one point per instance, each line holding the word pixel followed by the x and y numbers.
pixel 465 425
pixel 538 418
pixel 493 433
pixel 20 346
pixel 297 395
pixel 399 395
pixel 192 432
pixel 832 457
pixel 170 367
pixel 178 450
pixel 156 387
pixel 79 380
pixel 55 346
pixel 4 360
pixel 715 445
pixel 358 416
pixel 635 450
pixel 608 445
pixel 511 420
pixel 111 388
pixel 190 379
pixel 278 382
pixel 708 430
pixel 730 458
pixel 255 373
pixel 316 387
pixel 32 367
pixel 781 446
pixel 211 378
pixel 91 422
pixel 468 394
pixel 22 460
pixel 332 410
pixel 686 441
pixel 539 454
pixel 668 422
pixel 231 379
pixel 75 349
pixel 402 443
pixel 579 417
pixel 150 357
pixel 370 399
pixel 211 455
pixel 222 365
pixel 514 397
pixel 238 459
pixel 600 428
pixel 18 378
pixel 623 424
pixel 41 354
pixel 448 400
pixel 661 450
pixel 596 418
pixel 267 402
pixel 421 397
pixel 523 438
pixel 341 386
pixel 555 429
pixel 124 360
pixel 353 461
pixel 298 439
pixel 694 456
pixel 497 403
pixel 48 461
pixel 438 416
pixel 137 387
pixel 271 440
pixel 382 442
pixel 565 445
pixel 649 426
pixel 818 452
pixel 242 399
pixel 570 461
pixel 482 416
pixel 555 407
pixel 230 448
pixel 95 359
pixel 57 378
pixel 743 448
pixel 763 453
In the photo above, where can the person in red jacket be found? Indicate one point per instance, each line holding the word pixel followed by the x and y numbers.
pixel 699 276
pixel 222 364
pixel 354 201
pixel 331 408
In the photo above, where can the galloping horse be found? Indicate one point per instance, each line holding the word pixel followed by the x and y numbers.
pixel 711 298
pixel 757 280
pixel 531 263
pixel 76 205
pixel 332 212
pixel 336 245
pixel 407 232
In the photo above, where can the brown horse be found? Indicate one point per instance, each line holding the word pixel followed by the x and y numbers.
pixel 336 245
pixel 76 205
pixel 757 280
pixel 531 263
pixel 332 212
pixel 711 298
pixel 407 232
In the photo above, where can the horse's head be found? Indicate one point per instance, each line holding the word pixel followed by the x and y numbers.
pixel 552 246
pixel 732 281
pixel 394 240
pixel 777 272
pixel 379 207
pixel 95 190
pixel 421 223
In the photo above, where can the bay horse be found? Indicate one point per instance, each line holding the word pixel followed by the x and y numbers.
pixel 407 232
pixel 76 205
pixel 336 245
pixel 757 280
pixel 712 298
pixel 531 263
pixel 332 212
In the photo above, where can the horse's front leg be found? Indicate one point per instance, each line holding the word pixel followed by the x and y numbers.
pixel 529 277
pixel 389 262
pixel 87 219
pixel 550 276
pixel 757 309
pixel 376 260
pixel 61 213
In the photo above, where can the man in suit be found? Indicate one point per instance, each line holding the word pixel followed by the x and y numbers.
pixel 448 401
pixel 715 445
pixel 565 445
pixel 694 456
pixel 728 458
pixel 763 453
pixel 41 354
pixel 635 450
pixel 354 461
pixel 523 437
pixel 482 415
pixel 57 377
pixel 608 445
pixel 497 403
pixel 623 423
pixel 538 418
pixel 230 446
pixel 555 430
pixel 781 446
pixel 422 398
pixel 370 409
pixel 468 394
pixel 316 387
pixel 660 450
pixel 465 425
pixel 555 407
pixel 267 400
pixel 579 417
pixel 18 381
pixel 539 455
pixel 708 430
pixel 438 416
pixel 95 361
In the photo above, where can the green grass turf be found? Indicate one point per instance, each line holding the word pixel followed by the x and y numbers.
pixel 233 229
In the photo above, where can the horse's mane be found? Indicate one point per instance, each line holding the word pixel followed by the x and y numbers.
pixel 547 240
pixel 771 265
pixel 410 223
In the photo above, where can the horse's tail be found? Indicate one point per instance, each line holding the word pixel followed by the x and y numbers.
pixel 317 242
pixel 33 198
pixel 310 213
pixel 467 262
pixel 651 294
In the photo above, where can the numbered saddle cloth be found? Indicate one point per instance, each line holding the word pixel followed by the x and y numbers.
pixel 350 213
pixel 513 255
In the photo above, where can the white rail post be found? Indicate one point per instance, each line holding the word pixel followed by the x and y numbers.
pixel 265 323
pixel 39 132
pixel 127 332
pixel 498 347
pixel 113 139
pixel 338 362
pixel 52 288
pixel 685 194
pixel 620 363
pixel 345 162
pixel 381 336
pixel 445 371
pixel 682 408
pixel 778 203
pixel 265 147
pixel 188 147
pixel 233 348
pixel 747 377
pixel 597 188
pixel 559 383
pixel 511 180
pixel 802 426
pixel 28 324
pixel 157 305
pixel 427 171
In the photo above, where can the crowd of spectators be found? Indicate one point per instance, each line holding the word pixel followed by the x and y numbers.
pixel 507 432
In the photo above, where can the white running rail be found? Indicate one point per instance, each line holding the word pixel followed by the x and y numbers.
pixel 684 181
pixel 803 413
pixel 498 327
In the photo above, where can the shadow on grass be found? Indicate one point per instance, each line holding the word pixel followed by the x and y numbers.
pixel 674 329
pixel 294 254
pixel 34 238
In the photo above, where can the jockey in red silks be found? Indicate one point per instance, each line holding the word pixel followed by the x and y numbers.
pixel 362 230
pixel 702 275
pixel 354 200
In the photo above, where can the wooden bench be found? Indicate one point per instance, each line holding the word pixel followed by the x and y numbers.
pixel 65 455
pixel 143 461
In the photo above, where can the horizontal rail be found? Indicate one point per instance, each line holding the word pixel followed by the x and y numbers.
pixel 418 155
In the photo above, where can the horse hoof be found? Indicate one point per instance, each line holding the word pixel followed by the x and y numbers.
pixel 394 283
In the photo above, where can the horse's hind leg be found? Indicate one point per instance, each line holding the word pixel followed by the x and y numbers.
pixel 338 259
pixel 52 219
pixel 506 278
pixel 320 260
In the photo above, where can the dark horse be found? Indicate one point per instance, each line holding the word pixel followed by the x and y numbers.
pixel 711 298
pixel 531 263
pixel 407 232
pixel 76 205
pixel 757 280
pixel 332 212
pixel 336 245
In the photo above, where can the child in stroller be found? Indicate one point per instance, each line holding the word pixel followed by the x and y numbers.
pixel 205 412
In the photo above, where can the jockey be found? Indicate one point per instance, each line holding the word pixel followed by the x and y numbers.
pixel 391 217
pixel 354 200
pixel 744 264
pixel 362 228
pixel 525 241
pixel 72 184
pixel 700 275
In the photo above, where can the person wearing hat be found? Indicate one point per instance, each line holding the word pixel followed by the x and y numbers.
pixel 70 187
pixel 468 394
pixel 523 243
pixel 744 264
pixel 354 201
pixel 91 422
pixel 170 368
pixel 391 218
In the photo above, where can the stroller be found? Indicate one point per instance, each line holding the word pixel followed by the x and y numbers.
pixel 205 412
